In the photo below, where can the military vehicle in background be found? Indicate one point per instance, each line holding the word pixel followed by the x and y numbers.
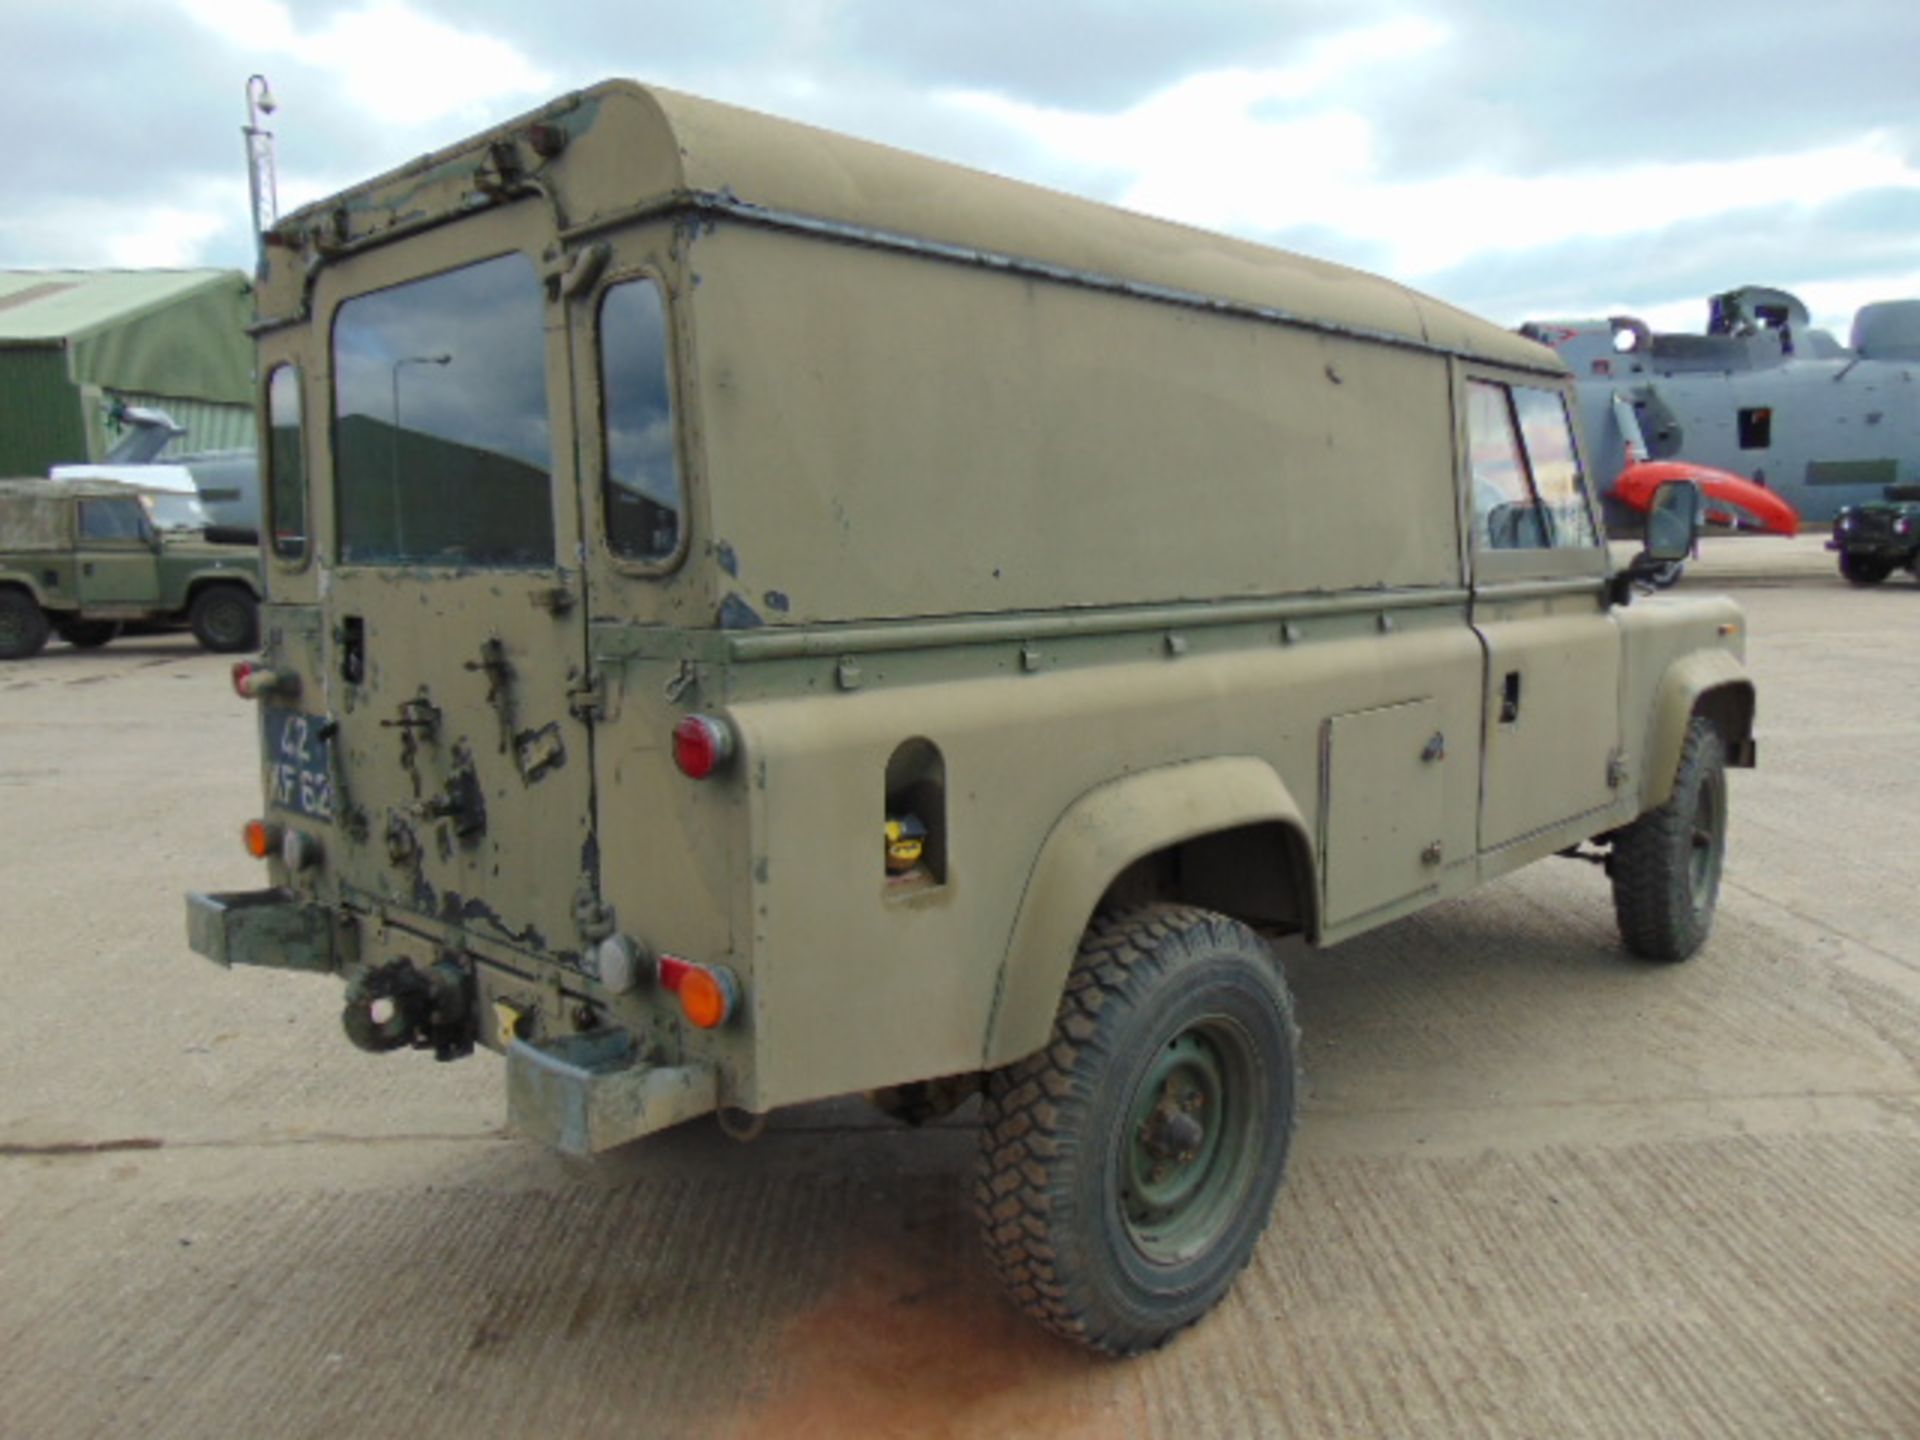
pixel 83 558
pixel 757 616
pixel 1880 537
pixel 1762 395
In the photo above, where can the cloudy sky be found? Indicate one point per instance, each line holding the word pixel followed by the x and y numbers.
pixel 1520 159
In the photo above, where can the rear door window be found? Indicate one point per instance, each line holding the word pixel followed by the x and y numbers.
pixel 645 504
pixel 442 443
pixel 286 464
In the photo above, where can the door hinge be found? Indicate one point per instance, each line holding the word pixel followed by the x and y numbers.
pixel 1616 770
pixel 587 699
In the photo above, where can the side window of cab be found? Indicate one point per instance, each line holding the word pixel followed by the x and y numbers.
pixel 113 522
pixel 1528 491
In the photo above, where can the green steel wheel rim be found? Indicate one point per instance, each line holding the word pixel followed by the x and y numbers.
pixel 1191 1142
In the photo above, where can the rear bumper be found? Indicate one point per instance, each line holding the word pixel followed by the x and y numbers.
pixel 261 927
pixel 580 1093
pixel 590 1092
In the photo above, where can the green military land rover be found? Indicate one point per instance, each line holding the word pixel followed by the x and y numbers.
pixel 80 559
pixel 756 616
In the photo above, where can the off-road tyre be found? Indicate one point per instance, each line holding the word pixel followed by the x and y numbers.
pixel 87 634
pixel 225 619
pixel 23 625
pixel 1094 1228
pixel 1864 569
pixel 1666 865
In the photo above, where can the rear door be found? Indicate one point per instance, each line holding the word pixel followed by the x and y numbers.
pixel 1551 727
pixel 456 617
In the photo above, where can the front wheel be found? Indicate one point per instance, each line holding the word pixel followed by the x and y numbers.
pixel 224 619
pixel 1864 569
pixel 1127 1170
pixel 1666 865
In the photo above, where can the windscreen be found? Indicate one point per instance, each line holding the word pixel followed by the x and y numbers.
pixel 176 512
pixel 441 439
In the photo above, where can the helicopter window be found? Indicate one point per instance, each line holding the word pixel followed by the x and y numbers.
pixel 1756 428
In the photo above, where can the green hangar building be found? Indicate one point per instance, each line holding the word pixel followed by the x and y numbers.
pixel 73 342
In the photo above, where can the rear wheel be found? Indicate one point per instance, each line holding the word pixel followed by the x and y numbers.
pixel 224 619
pixel 88 634
pixel 1666 865
pixel 1864 569
pixel 1127 1170
pixel 23 625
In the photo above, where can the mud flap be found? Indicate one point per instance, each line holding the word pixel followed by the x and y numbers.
pixel 261 927
pixel 582 1094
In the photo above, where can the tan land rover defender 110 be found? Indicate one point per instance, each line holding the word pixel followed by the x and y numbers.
pixel 756 616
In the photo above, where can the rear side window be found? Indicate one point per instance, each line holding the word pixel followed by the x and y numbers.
pixel 442 443
pixel 1528 492
pixel 645 504
pixel 286 464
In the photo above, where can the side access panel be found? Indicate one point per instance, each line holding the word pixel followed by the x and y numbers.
pixel 1383 775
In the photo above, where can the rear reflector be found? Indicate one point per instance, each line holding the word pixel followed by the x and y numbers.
pixel 701 745
pixel 251 680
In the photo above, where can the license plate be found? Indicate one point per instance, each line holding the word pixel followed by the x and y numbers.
pixel 300 776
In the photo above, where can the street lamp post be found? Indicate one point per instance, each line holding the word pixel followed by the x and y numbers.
pixel 399 511
pixel 261 187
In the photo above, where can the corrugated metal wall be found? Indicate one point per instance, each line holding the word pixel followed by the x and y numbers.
pixel 40 417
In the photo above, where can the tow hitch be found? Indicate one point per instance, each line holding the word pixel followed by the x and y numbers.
pixel 396 1006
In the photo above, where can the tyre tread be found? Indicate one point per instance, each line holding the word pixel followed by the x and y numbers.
pixel 1652 902
pixel 1018 1197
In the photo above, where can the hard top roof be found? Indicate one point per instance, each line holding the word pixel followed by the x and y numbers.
pixel 630 144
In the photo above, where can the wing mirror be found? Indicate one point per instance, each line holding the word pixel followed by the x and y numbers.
pixel 1673 527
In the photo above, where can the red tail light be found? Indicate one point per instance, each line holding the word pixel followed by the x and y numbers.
pixel 701 745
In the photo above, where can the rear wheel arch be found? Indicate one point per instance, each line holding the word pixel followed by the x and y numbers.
pixel 1223 833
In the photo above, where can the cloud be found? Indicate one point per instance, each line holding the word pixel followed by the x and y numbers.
pixel 1517 163
pixel 397 64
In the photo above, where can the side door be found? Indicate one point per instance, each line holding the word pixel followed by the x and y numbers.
pixel 1550 732
pixel 117 562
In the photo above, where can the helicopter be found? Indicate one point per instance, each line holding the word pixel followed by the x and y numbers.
pixel 1777 420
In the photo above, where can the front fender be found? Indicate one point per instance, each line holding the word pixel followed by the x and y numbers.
pixel 1711 679
pixel 1099 836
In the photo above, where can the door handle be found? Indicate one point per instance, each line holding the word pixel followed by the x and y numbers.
pixel 1510 698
